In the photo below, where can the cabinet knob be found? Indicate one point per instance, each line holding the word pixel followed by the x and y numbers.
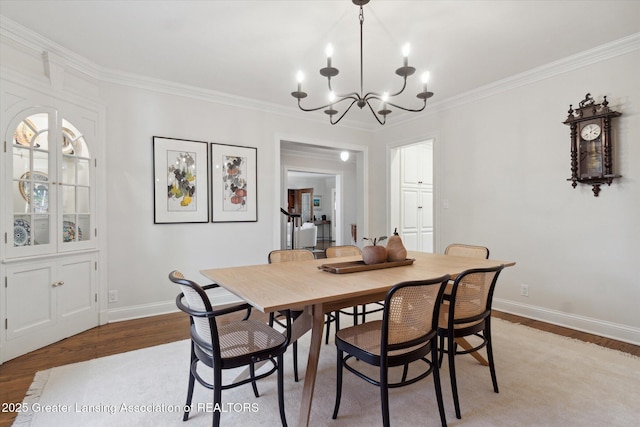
pixel 56 284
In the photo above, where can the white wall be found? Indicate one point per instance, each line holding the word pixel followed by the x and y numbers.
pixel 503 164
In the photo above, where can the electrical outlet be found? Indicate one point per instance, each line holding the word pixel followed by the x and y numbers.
pixel 113 296
pixel 524 290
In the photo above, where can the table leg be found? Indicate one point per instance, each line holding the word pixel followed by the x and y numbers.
pixel 465 344
pixel 312 365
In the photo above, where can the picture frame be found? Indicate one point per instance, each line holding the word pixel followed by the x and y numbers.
pixel 317 203
pixel 234 190
pixel 181 181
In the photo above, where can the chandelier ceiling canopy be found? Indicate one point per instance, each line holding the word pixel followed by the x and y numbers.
pixel 360 98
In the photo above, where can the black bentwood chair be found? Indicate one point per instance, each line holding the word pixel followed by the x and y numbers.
pixel 229 345
pixel 287 255
pixel 406 334
pixel 351 250
pixel 467 313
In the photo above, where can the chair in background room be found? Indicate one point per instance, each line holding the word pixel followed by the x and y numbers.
pixel 406 334
pixel 281 255
pixel 351 250
pixel 468 314
pixel 228 346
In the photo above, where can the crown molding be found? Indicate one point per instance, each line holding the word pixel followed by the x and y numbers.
pixel 583 59
pixel 19 35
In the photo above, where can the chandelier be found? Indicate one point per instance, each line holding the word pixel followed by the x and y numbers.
pixel 361 99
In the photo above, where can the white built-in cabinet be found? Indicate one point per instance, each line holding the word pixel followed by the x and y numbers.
pixel 50 253
pixel 416 197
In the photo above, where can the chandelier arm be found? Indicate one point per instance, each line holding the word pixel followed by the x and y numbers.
pixel 337 101
pixel 343 114
pixel 376 115
pixel 404 85
pixel 412 110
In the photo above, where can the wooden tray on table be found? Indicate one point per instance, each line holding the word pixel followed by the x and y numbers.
pixel 355 266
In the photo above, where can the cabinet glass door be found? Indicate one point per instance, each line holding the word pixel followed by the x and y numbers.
pixel 30 183
pixel 51 186
pixel 75 186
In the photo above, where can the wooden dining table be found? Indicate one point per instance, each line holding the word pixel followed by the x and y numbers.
pixel 301 285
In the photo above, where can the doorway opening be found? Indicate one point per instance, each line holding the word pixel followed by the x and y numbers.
pixel 339 189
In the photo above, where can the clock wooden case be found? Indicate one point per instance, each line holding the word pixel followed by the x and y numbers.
pixel 591 143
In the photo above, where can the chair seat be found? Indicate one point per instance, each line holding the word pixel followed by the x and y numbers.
pixel 241 338
pixel 366 337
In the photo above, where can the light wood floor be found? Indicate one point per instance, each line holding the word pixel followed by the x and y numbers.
pixel 16 375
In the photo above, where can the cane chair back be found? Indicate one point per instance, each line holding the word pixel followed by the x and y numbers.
pixel 344 250
pixel 286 255
pixel 469 251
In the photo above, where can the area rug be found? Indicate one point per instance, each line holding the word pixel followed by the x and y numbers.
pixel 544 380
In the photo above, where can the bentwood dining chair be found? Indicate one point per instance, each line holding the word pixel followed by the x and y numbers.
pixel 470 251
pixel 351 250
pixel 406 334
pixel 229 345
pixel 468 314
pixel 282 255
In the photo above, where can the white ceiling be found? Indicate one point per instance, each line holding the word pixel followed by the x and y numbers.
pixel 252 49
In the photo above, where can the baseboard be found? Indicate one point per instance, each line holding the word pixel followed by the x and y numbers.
pixel 589 325
pixel 164 307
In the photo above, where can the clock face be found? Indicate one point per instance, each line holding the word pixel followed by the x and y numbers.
pixel 590 132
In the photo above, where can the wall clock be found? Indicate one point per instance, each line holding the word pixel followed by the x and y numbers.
pixel 591 143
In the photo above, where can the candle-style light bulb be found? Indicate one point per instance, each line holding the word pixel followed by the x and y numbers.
pixel 329 52
pixel 405 53
pixel 425 80
pixel 299 78
pixel 332 96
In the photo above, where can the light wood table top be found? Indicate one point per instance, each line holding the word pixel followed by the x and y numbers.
pixel 301 285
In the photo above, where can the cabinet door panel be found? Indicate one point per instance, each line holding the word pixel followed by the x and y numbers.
pixel 410 202
pixel 31 305
pixel 76 298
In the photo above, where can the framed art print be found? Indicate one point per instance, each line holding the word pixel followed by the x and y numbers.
pixel 234 192
pixel 181 180
pixel 317 203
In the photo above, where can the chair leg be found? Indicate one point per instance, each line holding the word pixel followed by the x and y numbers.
pixel 405 370
pixel 283 416
pixel 441 351
pixel 217 396
pixel 339 368
pixel 327 323
pixel 451 352
pixel 192 380
pixel 492 367
pixel 252 372
pixel 436 381
pixel 384 394
pixel 295 361
pixel 355 315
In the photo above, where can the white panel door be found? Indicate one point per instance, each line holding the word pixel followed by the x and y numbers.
pixel 426 220
pixel 31 304
pixel 77 304
pixel 409 200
